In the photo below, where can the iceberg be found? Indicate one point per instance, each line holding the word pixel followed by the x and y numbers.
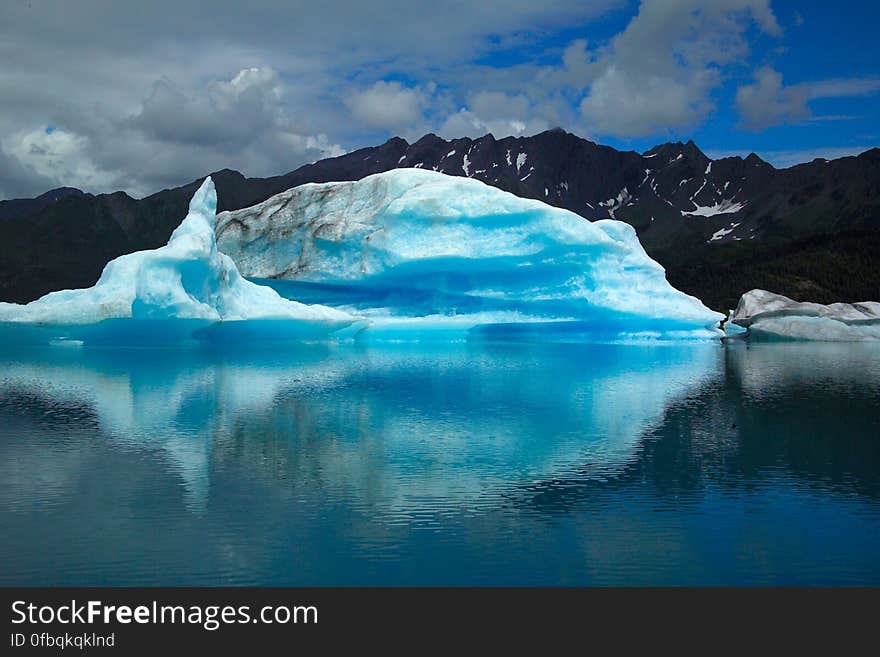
pixel 187 279
pixel 769 316
pixel 732 329
pixel 417 252
pixel 403 255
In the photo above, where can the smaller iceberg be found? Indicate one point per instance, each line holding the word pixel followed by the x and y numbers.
pixel 187 279
pixel 731 329
pixel 769 316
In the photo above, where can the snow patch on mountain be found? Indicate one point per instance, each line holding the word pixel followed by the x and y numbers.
pixel 725 206
pixel 721 232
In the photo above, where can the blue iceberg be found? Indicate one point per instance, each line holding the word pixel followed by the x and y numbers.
pixel 415 252
pixel 403 255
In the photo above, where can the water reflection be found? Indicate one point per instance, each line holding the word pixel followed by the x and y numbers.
pixel 468 464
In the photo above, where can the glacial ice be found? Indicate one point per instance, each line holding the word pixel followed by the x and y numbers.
pixel 732 329
pixel 404 255
pixel 187 279
pixel 769 316
pixel 413 251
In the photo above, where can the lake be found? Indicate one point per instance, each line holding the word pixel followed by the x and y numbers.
pixel 466 464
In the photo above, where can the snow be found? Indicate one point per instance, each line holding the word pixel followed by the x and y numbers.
pixel 708 169
pixel 772 316
pixel 520 161
pixel 697 193
pixel 614 204
pixel 509 163
pixel 724 206
pixel 651 155
pixel 449 154
pixel 657 194
pixel 465 165
pixel 411 250
pixel 721 232
pixel 401 159
pixel 188 278
pixel 546 192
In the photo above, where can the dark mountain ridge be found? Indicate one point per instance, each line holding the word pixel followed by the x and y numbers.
pixel 17 208
pixel 720 227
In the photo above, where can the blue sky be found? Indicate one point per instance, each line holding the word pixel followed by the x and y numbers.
pixel 819 41
pixel 104 97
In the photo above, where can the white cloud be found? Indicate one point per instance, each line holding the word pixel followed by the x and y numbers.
pixel 497 112
pixel 767 101
pixel 173 137
pixel 388 105
pixel 178 89
pixel 57 155
pixel 843 87
pixel 267 86
pixel 18 180
pixel 658 74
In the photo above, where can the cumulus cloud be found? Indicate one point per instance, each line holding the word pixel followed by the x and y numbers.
pixel 497 112
pixel 20 181
pixel 55 155
pixel 658 74
pixel 174 136
pixel 147 102
pixel 767 101
pixel 388 105
pixel 264 87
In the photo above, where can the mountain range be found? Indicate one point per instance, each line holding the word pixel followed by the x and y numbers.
pixel 719 227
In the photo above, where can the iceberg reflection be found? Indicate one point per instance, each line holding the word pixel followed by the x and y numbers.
pixel 401 428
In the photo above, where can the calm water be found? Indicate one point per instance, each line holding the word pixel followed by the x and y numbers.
pixel 472 464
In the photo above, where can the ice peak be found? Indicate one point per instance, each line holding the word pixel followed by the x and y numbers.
pixel 204 201
pixel 188 278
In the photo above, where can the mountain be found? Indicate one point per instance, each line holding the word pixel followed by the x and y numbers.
pixel 719 227
pixel 24 207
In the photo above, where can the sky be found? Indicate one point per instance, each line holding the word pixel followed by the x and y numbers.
pixel 106 95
